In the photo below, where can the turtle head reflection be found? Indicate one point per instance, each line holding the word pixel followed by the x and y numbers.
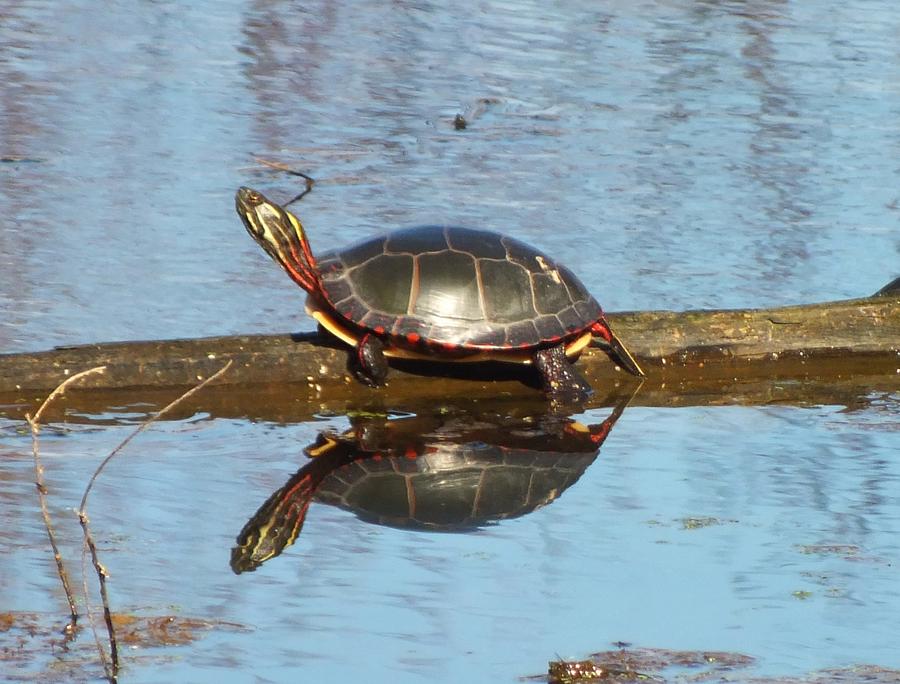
pixel 442 473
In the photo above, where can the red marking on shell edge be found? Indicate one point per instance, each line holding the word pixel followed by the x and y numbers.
pixel 413 338
pixel 377 456
pixel 379 329
pixel 411 453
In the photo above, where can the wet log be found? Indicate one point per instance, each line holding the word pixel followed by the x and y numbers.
pixel 676 349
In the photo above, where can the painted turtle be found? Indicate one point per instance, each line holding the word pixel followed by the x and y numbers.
pixel 434 473
pixel 440 293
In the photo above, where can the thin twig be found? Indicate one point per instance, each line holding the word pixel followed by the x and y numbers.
pixel 34 423
pixel 111 663
pixel 283 167
pixel 112 668
pixel 287 169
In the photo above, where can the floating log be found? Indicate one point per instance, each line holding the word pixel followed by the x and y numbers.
pixel 678 351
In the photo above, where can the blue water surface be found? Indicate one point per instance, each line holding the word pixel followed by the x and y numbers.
pixel 675 154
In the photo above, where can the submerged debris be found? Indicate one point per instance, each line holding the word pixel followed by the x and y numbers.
pixel 35 645
pixel 664 665
pixel 644 665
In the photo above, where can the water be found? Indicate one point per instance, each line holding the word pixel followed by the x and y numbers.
pixel 673 154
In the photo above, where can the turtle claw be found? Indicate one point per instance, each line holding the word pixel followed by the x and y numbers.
pixel 569 398
pixel 364 379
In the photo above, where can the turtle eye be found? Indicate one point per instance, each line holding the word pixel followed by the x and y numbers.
pixel 254 197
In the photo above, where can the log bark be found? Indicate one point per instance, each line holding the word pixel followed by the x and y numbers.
pixel 810 343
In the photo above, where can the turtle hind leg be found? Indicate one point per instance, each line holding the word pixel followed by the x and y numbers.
pixel 367 362
pixel 560 380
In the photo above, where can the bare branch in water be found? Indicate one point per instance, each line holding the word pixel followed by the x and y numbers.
pixel 34 423
pixel 112 666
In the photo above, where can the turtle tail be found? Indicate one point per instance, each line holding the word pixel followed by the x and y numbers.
pixel 618 350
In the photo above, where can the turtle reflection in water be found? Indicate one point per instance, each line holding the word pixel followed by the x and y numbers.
pixel 427 472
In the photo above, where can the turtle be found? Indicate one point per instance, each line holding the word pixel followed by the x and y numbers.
pixel 440 293
pixel 437 473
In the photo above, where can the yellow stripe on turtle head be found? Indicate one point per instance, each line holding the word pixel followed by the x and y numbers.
pixel 271 225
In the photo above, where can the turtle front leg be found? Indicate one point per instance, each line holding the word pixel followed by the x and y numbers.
pixel 368 363
pixel 560 379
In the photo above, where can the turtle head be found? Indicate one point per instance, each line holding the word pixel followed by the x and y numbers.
pixel 280 233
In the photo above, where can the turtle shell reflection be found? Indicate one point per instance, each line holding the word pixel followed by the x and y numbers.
pixel 427 472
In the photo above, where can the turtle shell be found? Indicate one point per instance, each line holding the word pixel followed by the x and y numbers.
pixel 452 288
